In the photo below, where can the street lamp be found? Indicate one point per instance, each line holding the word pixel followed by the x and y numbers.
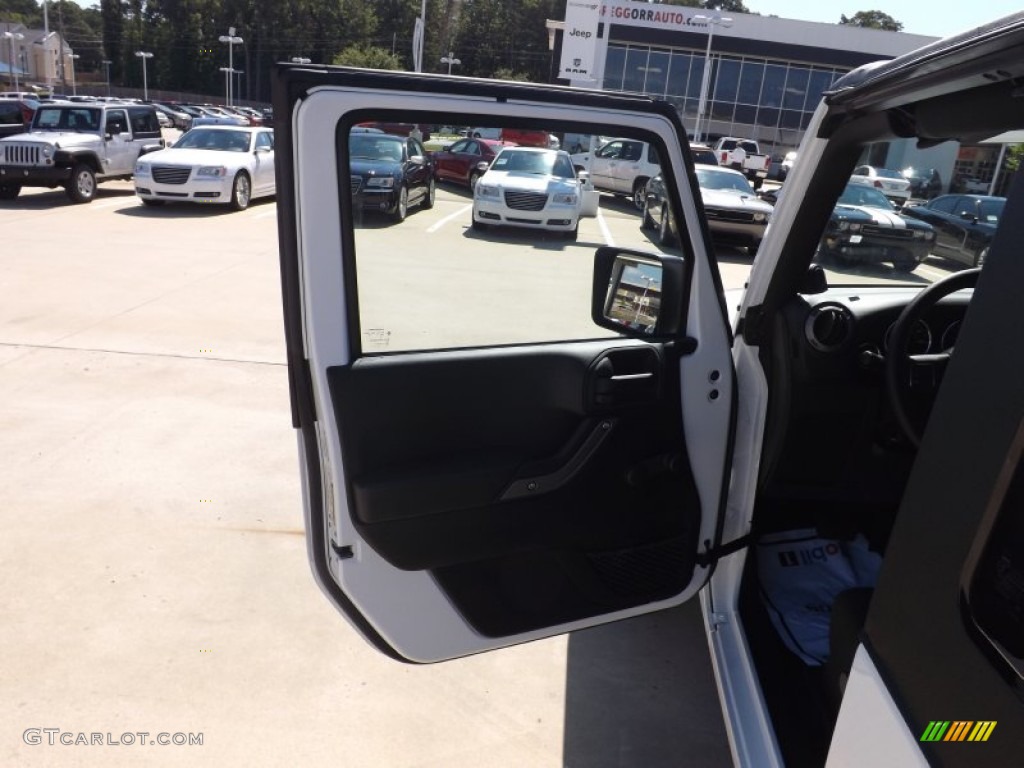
pixel 106 65
pixel 145 83
pixel 231 39
pixel 227 79
pixel 300 60
pixel 73 56
pixel 712 22
pixel 418 35
pixel 450 60
pixel 11 37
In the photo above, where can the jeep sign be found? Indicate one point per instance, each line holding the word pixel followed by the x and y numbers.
pixel 579 43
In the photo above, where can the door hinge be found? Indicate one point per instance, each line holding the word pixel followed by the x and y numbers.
pixel 712 555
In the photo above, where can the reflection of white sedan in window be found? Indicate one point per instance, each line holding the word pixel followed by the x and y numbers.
pixel 532 188
pixel 210 164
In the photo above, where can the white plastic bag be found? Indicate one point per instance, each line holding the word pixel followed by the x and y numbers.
pixel 800 574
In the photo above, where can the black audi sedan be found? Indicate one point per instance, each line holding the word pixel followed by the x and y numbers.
pixel 964 225
pixel 390 174
pixel 865 228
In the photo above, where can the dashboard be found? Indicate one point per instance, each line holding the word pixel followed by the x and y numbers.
pixel 841 442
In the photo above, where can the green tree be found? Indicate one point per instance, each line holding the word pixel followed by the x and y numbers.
pixel 872 20
pixel 504 73
pixel 369 56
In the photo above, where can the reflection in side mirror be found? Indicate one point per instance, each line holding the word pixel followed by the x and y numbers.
pixel 639 294
pixel 634 294
pixel 483 165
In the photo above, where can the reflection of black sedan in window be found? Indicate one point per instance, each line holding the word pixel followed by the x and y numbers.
pixel 389 173
pixel 460 162
pixel 864 227
pixel 964 225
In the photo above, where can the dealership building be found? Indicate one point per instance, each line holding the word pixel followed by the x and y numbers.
pixel 766 76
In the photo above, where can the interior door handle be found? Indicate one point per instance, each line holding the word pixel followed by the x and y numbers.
pixel 624 376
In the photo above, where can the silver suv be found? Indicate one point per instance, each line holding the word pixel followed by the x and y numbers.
pixel 76 146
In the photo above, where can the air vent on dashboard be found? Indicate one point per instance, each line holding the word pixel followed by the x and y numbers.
pixel 828 327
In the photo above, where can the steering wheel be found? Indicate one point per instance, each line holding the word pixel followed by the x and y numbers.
pixel 899 363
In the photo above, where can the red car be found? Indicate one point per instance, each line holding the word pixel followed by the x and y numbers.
pixel 527 138
pixel 459 162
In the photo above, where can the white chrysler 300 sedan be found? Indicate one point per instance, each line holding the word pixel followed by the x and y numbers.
pixel 532 188
pixel 210 164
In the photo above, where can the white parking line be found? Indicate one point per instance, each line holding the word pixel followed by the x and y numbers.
pixel 434 227
pixel 931 272
pixel 605 233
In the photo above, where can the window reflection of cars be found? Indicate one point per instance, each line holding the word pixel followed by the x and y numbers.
pixel 865 228
pixel 210 164
pixel 460 162
pixel 390 174
pixel 735 214
pixel 887 181
pixel 964 225
pixel 530 188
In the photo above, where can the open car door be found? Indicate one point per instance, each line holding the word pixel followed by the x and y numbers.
pixel 483 463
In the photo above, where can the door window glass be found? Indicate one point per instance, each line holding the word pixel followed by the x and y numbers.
pixel 510 261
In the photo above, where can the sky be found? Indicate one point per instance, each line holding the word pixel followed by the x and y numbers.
pixel 938 18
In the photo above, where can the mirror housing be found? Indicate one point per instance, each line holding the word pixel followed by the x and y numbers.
pixel 639 295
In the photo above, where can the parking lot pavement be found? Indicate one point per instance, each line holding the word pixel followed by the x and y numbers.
pixel 154 568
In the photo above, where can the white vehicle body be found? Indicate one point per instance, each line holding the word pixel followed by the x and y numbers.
pixel 436 536
pixel 890 183
pixel 622 166
pixel 529 188
pixel 210 164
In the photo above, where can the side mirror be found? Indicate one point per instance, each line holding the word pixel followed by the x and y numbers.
pixel 638 294
pixel 483 165
pixel 108 136
pixel 968 216
pixel 446 148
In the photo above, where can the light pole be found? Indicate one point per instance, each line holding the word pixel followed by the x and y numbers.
pixel 418 38
pixel 712 22
pixel 300 60
pixel 73 56
pixel 145 83
pixel 450 60
pixel 106 66
pixel 11 37
pixel 231 39
pixel 227 79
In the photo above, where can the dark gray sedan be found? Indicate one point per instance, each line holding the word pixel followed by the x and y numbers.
pixel 964 225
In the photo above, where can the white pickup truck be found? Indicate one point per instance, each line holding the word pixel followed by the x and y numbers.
pixel 751 160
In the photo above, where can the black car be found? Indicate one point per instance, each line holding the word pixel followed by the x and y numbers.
pixel 16 116
pixel 865 228
pixel 925 183
pixel 389 174
pixel 964 225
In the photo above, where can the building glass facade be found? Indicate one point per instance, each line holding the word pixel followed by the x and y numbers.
pixel 763 99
